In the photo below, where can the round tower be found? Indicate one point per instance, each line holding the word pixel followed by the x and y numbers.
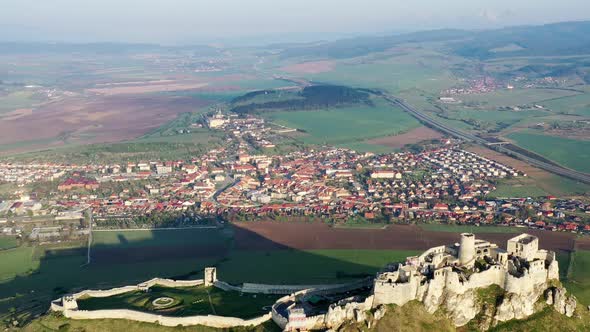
pixel 467 248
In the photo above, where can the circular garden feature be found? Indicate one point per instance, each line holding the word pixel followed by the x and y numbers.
pixel 163 302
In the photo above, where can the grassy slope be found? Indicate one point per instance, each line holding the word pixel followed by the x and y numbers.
pixel 568 152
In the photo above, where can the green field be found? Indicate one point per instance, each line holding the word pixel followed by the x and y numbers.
pixel 578 276
pixel 18 99
pixel 422 69
pixel 188 301
pixel 17 261
pixel 571 153
pixel 306 266
pixel 346 126
pixel 515 97
pixel 35 276
pixel 7 242
pixel 518 187
pixel 579 105
pixel 152 238
pixel 470 229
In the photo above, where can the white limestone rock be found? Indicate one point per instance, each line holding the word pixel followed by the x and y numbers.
pixel 461 307
pixel 563 303
pixel 380 312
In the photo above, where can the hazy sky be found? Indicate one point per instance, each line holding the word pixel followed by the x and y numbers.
pixel 182 21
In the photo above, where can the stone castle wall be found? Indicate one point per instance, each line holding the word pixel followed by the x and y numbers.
pixel 147 284
pixel 210 320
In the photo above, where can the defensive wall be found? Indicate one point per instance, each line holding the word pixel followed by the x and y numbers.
pixel 69 307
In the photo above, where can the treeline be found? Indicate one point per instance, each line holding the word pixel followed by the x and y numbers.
pixel 310 98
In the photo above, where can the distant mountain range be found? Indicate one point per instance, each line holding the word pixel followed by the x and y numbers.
pixel 567 38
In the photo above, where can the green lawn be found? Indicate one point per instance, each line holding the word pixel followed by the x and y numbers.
pixel 189 301
pixel 470 229
pixel 346 126
pixel 571 153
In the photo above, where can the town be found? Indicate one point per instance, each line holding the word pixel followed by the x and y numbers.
pixel 445 184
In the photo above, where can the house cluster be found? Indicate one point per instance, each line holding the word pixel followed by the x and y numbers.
pixel 446 184
pixel 475 86
pixel 30 173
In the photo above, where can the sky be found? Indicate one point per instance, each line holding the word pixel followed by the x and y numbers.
pixel 211 21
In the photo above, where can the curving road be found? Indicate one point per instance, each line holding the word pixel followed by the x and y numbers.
pixel 429 121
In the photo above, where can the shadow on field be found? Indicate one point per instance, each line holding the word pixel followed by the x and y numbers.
pixel 123 258
pixel 257 252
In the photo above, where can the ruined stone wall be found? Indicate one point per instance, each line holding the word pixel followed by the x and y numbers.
pixel 392 293
pixel 143 285
pixel 210 320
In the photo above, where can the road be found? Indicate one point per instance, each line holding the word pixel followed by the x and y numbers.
pixel 429 121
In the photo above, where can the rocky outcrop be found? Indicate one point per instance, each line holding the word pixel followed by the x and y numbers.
pixel 461 308
pixel 563 303
pixel 351 311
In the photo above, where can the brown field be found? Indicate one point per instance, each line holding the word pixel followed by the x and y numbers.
pixel 413 136
pixel 312 67
pixel 146 87
pixel 19 113
pixel 317 235
pixel 95 120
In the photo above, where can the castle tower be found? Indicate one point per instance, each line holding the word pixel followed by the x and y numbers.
pixel 210 276
pixel 467 248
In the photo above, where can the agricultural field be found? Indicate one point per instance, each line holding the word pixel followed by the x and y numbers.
pixel 565 151
pixel 518 187
pixel 137 246
pixel 578 105
pixel 536 183
pixel 306 266
pixel 20 99
pixel 17 261
pixel 187 301
pixel 393 72
pixel 7 242
pixel 578 276
pixel 515 97
pixel 343 126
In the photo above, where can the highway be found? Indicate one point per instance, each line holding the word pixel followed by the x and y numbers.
pixel 429 121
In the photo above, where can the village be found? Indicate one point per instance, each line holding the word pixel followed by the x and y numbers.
pixel 238 182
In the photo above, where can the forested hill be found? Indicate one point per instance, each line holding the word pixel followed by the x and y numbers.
pixel 568 38
pixel 310 98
